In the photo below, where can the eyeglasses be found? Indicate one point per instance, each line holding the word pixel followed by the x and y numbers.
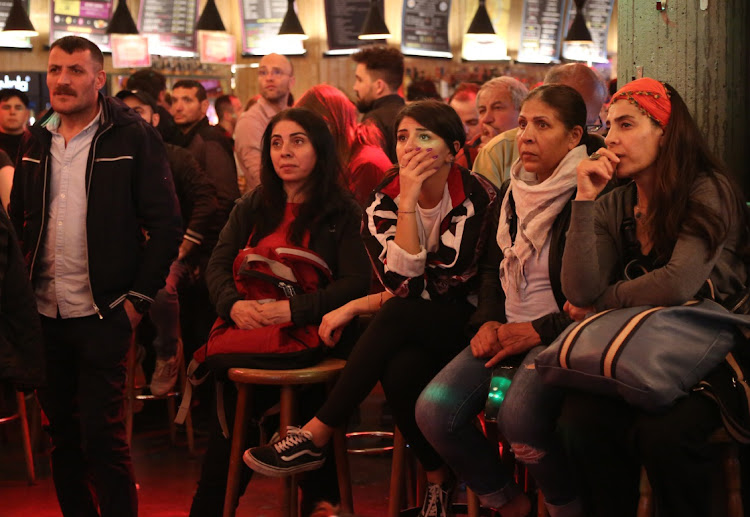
pixel 593 128
pixel 274 72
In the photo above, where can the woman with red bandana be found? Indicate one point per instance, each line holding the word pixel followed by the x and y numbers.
pixel 654 241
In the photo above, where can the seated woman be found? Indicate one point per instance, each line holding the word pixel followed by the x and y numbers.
pixel 689 225
pixel 299 203
pixel 358 146
pixel 424 229
pixel 520 312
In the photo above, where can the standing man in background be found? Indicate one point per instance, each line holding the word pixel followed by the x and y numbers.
pixel 275 81
pixel 155 84
pixel 209 145
pixel 14 114
pixel 377 78
pixel 228 109
pixel 93 178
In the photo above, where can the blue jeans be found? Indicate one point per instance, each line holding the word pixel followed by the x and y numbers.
pixel 528 420
pixel 446 411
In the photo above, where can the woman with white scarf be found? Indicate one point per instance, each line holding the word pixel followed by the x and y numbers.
pixel 520 312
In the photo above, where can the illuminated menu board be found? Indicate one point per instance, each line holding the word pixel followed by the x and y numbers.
pixel 424 31
pixel 344 21
pixel 541 31
pixel 169 25
pixel 261 20
pixel 88 18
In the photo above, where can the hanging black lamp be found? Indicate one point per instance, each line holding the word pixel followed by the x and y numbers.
pixel 578 32
pixel 122 21
pixel 18 22
pixel 291 26
pixel 374 26
pixel 210 19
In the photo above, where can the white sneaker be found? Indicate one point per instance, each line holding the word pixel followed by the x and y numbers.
pixel 165 373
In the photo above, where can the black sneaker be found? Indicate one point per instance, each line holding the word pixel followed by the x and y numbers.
pixel 290 455
pixel 437 501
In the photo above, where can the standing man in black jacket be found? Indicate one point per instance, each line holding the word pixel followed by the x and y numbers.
pixel 91 178
pixel 213 150
pixel 197 197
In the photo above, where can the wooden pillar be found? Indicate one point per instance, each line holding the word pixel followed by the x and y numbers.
pixel 701 47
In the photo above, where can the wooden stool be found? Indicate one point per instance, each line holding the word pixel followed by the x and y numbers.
pixel 132 395
pixel 20 415
pixel 325 372
pixel 731 469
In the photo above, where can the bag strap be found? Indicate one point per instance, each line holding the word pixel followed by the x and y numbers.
pixel 739 431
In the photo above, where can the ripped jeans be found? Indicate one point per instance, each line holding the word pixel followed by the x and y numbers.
pixel 446 410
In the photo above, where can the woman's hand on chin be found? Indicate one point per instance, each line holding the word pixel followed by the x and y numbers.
pixel 514 338
pixel 415 167
pixel 247 316
pixel 577 313
pixel 594 173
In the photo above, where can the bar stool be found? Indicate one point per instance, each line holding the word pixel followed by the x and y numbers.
pixel 325 372
pixel 132 395
pixel 20 415
pixel 730 464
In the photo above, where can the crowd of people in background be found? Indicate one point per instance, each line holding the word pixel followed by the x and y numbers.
pixel 460 233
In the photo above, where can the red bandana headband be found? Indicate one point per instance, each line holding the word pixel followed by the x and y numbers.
pixel 648 95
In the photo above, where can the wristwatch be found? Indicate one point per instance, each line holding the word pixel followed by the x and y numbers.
pixel 141 305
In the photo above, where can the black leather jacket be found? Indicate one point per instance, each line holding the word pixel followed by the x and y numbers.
pixel 129 189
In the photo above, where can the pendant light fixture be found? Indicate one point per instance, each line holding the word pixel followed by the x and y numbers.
pixel 18 22
pixel 374 26
pixel 291 27
pixel 122 21
pixel 578 32
pixel 481 25
pixel 210 19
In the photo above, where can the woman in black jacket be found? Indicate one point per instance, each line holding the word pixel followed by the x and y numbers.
pixel 299 203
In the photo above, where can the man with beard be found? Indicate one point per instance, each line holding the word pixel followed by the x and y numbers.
pixel 94 177
pixel 209 145
pixel 275 80
pixel 377 78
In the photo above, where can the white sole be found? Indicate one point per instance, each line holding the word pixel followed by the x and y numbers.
pixel 277 472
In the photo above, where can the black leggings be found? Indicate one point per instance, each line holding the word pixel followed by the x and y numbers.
pixel 407 343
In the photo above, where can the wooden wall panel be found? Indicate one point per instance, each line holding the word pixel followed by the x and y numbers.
pixel 703 54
